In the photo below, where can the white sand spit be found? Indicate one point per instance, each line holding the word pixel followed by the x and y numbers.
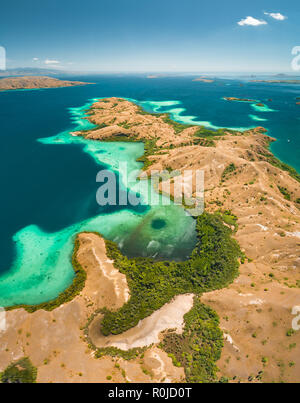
pixel 113 275
pixel 147 332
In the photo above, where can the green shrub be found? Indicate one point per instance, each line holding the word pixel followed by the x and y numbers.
pixel 284 192
pixel 227 171
pixel 21 371
pixel 290 332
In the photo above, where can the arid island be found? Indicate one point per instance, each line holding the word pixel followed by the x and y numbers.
pixel 204 80
pixel 35 82
pixel 223 315
pixel 232 99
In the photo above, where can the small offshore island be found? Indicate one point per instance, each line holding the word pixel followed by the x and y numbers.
pixel 35 82
pixel 239 99
pixel 241 278
pixel 204 80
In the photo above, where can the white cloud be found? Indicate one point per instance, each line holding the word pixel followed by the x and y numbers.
pixel 48 61
pixel 35 59
pixel 252 22
pixel 277 16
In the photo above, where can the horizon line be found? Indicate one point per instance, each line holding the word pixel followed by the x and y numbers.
pixel 152 72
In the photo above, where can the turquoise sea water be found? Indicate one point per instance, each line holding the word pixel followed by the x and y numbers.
pixel 48 176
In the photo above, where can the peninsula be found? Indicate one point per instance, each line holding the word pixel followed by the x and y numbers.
pixel 35 82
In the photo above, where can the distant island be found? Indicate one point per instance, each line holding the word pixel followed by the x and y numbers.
pixel 204 80
pixel 35 82
pixel 239 99
pixel 153 76
pixel 277 81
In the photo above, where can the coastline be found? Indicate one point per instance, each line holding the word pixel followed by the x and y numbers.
pixel 135 223
pixel 78 280
pixel 260 158
pixel 251 159
pixel 66 296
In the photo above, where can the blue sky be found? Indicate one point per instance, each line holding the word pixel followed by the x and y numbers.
pixel 151 35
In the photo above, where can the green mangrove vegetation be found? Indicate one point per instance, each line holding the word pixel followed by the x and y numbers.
pixel 21 371
pixel 110 351
pixel 115 352
pixel 207 137
pixel 199 347
pixel 150 148
pixel 205 133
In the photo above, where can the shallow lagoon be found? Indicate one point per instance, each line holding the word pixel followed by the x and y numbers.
pixel 42 268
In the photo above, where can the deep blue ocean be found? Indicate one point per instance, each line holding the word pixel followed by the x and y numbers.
pixel 54 186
